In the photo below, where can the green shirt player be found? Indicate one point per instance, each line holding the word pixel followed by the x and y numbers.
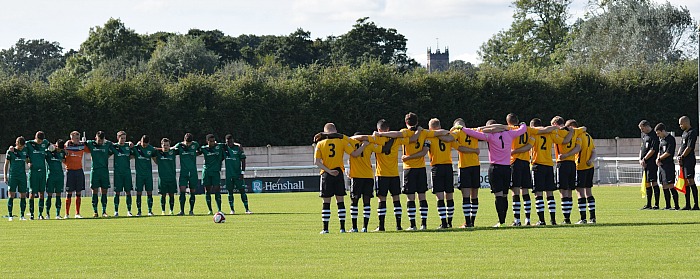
pixel 187 149
pixel 235 169
pixel 145 154
pixel 36 149
pixel 54 183
pixel 123 152
pixel 99 172
pixel 211 174
pixel 16 176
pixel 167 183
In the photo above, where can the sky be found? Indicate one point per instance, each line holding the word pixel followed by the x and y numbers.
pixel 461 25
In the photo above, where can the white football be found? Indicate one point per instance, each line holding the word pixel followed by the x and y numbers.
pixel 52 148
pixel 219 217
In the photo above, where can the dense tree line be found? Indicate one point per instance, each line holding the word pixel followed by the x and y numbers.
pixel 278 105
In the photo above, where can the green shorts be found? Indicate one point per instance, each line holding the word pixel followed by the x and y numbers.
pixel 211 178
pixel 235 183
pixel 37 181
pixel 144 182
pixel 99 179
pixel 167 186
pixel 17 184
pixel 122 183
pixel 189 178
pixel 54 185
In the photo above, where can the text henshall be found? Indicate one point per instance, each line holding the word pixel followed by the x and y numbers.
pixel 299 185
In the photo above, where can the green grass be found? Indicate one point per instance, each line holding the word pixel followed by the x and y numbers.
pixel 281 240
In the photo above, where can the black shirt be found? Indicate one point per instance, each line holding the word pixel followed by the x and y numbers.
pixel 689 139
pixel 650 141
pixel 667 145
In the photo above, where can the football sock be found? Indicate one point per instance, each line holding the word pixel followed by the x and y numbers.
pixel 95 200
pixel 353 214
pixel 67 205
pixel 367 213
pixel 172 202
pixel 58 206
pixel 516 208
pixel 411 212
pixel 442 211
pixel 450 211
pixel 207 197
pixel 552 206
pixel 116 202
pixel 475 209
pixel 41 207
pixel 217 197
pixel 149 200
pixel 582 203
pixel 192 200
pixel 649 191
pixel 326 215
pixel 230 200
pixel 687 196
pixel 244 199
pixel 667 197
pixel 539 207
pixel 398 211
pixel 10 204
pixel 423 212
pixel 656 195
pixel 104 203
pixel 694 188
pixel 22 206
pixel 466 209
pixel 78 201
pixel 674 194
pixel 138 202
pixel 527 204
pixel 566 205
pixel 341 215
pixel 31 207
pixel 381 212
pixel 183 199
pixel 162 202
pixel 591 206
pixel 128 202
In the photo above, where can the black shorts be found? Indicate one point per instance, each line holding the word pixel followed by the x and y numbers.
pixel 584 178
pixel 388 184
pixel 443 178
pixel 566 175
pixel 544 178
pixel 689 166
pixel 651 171
pixel 521 175
pixel 75 181
pixel 361 187
pixel 415 181
pixel 499 178
pixel 667 173
pixel 469 178
pixel 332 185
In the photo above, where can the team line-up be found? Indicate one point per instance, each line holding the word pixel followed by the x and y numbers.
pixel 518 154
pixel 46 175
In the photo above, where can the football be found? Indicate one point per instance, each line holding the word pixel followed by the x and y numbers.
pixel 52 148
pixel 219 217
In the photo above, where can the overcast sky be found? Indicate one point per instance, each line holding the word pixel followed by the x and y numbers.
pixel 462 25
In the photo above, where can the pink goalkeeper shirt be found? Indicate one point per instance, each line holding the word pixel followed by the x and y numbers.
pixel 499 143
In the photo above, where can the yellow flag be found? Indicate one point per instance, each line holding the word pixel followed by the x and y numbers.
pixel 680 184
pixel 644 184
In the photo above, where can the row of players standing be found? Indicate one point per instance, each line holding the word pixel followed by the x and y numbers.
pixel 46 175
pixel 512 149
pixel 656 156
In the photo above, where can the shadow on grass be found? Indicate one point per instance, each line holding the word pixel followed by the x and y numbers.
pixel 457 230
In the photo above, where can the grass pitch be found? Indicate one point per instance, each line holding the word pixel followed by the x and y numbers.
pixel 281 240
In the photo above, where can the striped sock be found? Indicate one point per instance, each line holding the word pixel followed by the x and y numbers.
pixel 475 209
pixel 367 213
pixel 566 205
pixel 516 208
pixel 411 212
pixel 423 212
pixel 341 215
pixel 442 211
pixel 591 206
pixel 539 207
pixel 381 212
pixel 552 206
pixel 582 203
pixel 353 214
pixel 398 212
pixel 450 211
pixel 326 215
pixel 527 204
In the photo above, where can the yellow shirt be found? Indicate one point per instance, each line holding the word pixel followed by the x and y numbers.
pixel 440 152
pixel 521 141
pixel 541 151
pixel 361 166
pixel 565 148
pixel 330 151
pixel 415 147
pixel 387 164
pixel 466 159
pixel 587 147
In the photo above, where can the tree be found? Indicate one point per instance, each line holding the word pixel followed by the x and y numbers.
pixel 296 49
pixel 223 45
pixel 366 41
pixel 38 57
pixel 538 29
pixel 465 67
pixel 182 55
pixel 622 33
pixel 113 41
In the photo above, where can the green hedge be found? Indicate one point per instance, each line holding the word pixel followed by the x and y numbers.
pixel 280 106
